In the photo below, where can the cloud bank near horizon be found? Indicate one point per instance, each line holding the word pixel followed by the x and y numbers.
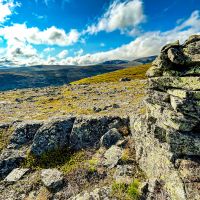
pixel 126 17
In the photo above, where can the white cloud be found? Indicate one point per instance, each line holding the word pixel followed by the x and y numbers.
pixel 50 36
pixel 6 9
pixel 2 51
pixel 48 49
pixel 102 44
pixel 144 45
pixel 20 51
pixel 123 16
pixel 79 53
pixel 62 54
pixel 40 17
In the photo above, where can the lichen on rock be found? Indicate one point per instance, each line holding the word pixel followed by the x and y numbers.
pixel 170 131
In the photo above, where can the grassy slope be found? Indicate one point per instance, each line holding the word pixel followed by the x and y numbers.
pixel 137 72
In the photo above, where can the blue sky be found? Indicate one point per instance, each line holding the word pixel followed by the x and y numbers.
pixel 85 32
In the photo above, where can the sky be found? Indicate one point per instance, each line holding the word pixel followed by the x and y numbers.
pixel 85 32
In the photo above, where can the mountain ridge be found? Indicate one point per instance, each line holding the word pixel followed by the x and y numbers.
pixel 55 75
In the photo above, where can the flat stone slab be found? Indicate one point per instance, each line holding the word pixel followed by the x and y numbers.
pixel 187 83
pixel 184 94
pixel 52 178
pixel 112 156
pixel 16 174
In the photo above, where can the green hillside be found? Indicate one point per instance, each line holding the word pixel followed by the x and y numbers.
pixel 138 72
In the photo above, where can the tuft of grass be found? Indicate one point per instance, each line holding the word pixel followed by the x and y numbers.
pixel 5 134
pixel 77 160
pixel 133 190
pixel 123 191
pixel 137 72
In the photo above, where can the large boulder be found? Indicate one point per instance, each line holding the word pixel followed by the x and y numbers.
pixel 24 133
pixel 171 128
pixel 110 138
pixel 53 135
pixel 87 131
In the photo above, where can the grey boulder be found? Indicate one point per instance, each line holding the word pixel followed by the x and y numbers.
pixel 52 135
pixel 110 138
pixel 112 156
pixel 52 178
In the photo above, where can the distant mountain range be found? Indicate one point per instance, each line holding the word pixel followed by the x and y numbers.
pixel 54 75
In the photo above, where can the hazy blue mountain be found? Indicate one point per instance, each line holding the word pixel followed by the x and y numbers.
pixel 54 75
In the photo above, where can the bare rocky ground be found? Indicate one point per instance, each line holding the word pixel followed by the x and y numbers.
pixel 92 121
pixel 96 142
pixel 117 98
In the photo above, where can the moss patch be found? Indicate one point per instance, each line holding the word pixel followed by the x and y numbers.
pixel 63 159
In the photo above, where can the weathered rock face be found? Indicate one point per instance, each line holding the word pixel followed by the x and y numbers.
pixel 170 132
pixel 88 131
pixel 54 134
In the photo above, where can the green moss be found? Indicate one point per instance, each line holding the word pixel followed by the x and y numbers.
pixel 92 164
pixel 62 159
pixel 123 191
pixel 76 160
pixel 137 72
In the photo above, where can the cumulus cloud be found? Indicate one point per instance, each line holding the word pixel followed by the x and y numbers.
pixel 20 51
pixel 79 52
pixel 6 9
pixel 124 16
pixel 144 45
pixel 48 49
pixel 50 36
pixel 62 54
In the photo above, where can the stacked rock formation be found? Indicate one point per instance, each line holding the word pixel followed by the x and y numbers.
pixel 168 143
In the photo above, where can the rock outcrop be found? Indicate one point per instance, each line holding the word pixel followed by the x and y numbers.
pixel 167 140
pixel 74 133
